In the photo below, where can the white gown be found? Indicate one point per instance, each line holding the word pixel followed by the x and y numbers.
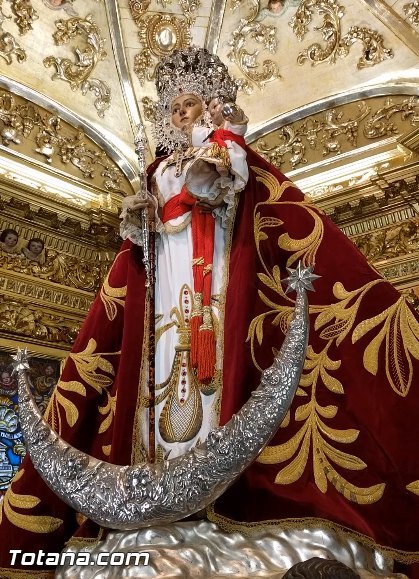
pixel 186 409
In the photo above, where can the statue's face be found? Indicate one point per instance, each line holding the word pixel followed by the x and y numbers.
pixel 186 109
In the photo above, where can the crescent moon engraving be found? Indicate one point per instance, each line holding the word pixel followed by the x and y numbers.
pixel 142 495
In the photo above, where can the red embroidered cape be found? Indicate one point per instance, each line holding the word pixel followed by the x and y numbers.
pixel 346 454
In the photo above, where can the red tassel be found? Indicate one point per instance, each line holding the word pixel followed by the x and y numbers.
pixel 195 324
pixel 206 356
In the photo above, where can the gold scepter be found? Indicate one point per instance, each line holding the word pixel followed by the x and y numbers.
pixel 148 234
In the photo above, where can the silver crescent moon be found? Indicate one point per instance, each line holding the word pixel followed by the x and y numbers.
pixel 142 495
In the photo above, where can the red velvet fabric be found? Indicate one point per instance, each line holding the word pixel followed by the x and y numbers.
pixel 383 452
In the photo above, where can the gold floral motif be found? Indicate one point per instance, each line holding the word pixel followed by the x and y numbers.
pixel 78 74
pixel 88 362
pixel 31 523
pixel 59 268
pixel 23 318
pixel 57 399
pixel 8 45
pixel 413 487
pixel 25 14
pixel 335 131
pixel 95 371
pixel 400 332
pixel 250 29
pixel 149 107
pixel 111 296
pixel 412 12
pixel 314 434
pixel 380 124
pixel 336 46
pixel 54 140
pixel 390 242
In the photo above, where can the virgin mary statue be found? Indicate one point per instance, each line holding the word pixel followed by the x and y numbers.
pixel 228 226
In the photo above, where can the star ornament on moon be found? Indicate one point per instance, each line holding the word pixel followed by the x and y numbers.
pixel 20 361
pixel 300 278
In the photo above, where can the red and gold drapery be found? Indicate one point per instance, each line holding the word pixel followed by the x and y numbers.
pixel 345 455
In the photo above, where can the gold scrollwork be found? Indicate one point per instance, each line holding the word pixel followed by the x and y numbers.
pixel 380 124
pixel 78 73
pixel 334 131
pixel 8 45
pixel 412 12
pixel 160 35
pixel 59 268
pixel 249 28
pixel 336 45
pixel 22 318
pixel 390 242
pixel 18 118
pixel 25 14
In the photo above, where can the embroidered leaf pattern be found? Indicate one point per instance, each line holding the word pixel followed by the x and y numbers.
pixel 31 523
pixel 400 334
pixel 111 296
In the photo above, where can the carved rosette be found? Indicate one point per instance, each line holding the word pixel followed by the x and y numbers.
pixel 160 34
pixel 412 12
pixel 336 45
pixel 18 121
pixel 9 47
pixel 78 73
pixel 331 132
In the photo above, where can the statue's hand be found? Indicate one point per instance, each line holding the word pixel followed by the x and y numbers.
pixel 134 204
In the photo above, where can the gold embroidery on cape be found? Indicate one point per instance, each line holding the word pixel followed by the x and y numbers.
pixel 401 333
pixel 413 487
pixel 111 296
pixel 315 434
pixel 31 523
pixel 87 363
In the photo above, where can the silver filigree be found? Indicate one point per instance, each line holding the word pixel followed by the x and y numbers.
pixel 128 497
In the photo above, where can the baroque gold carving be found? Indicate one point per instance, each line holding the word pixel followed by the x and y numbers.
pixel 336 46
pixel 390 242
pixel 380 125
pixel 160 35
pixel 78 73
pixel 149 109
pixel 19 120
pixel 23 318
pixel 53 295
pixel 25 14
pixel 412 12
pixel 333 133
pixel 60 268
pixel 8 45
pixel 250 29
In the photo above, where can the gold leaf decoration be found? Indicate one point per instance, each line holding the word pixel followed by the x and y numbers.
pixel 88 361
pixel 313 434
pixel 400 332
pixel 111 296
pixel 31 523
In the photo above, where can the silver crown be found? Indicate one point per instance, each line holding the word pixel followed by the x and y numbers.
pixel 190 71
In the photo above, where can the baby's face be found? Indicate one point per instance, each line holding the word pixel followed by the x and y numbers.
pixel 35 247
pixel 10 240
